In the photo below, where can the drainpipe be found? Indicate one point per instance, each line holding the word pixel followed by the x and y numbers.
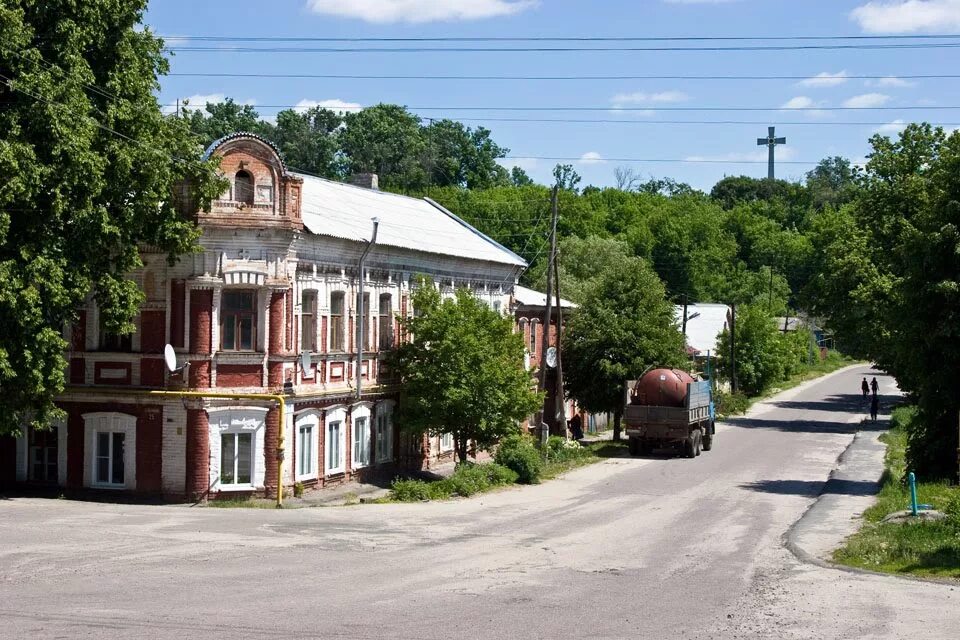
pixel 360 311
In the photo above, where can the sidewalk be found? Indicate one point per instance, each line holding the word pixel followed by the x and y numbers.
pixel 836 514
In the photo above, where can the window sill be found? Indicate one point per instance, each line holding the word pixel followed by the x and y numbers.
pixel 333 472
pixel 304 478
pixel 227 488
pixel 103 485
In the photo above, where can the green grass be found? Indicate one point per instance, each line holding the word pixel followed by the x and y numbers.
pixel 242 503
pixel 914 548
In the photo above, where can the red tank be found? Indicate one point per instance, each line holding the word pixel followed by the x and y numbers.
pixel 661 388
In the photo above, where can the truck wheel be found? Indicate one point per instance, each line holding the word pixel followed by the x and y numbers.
pixel 697 442
pixel 707 443
pixel 688 450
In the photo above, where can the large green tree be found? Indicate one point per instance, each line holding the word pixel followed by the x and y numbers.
pixel 624 325
pixel 90 166
pixel 308 140
pixel 462 371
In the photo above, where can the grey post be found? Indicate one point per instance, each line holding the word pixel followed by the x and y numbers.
pixel 360 311
pixel 771 141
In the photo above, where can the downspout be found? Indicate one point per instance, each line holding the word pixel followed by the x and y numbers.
pixel 360 311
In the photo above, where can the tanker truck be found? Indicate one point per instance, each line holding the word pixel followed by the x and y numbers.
pixel 669 408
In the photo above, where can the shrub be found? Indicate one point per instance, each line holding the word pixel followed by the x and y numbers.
pixel 560 449
pixel 467 480
pixel 418 490
pixel 298 490
pixel 500 475
pixel 952 511
pixel 517 452
pixel 731 403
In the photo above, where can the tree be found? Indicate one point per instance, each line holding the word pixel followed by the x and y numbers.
pixel 519 177
pixel 308 140
pixel 465 157
pixel 627 178
pixel 583 261
pixel 624 325
pixel 90 166
pixel 566 178
pixel 461 371
pixel 388 140
pixel 761 357
pixel 218 119
pixel 832 182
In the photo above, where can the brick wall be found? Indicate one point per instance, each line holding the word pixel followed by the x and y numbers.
pixel 153 330
pixel 177 300
pixel 239 375
pixel 198 454
pixel 270 451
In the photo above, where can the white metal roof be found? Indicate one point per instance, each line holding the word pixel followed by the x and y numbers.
pixel 344 211
pixel 532 298
pixel 705 323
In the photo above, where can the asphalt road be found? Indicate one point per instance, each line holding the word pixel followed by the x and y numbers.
pixel 652 547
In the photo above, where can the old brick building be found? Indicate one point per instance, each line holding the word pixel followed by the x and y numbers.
pixel 277 276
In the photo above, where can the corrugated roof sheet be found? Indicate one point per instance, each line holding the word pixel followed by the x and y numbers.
pixel 705 323
pixel 344 211
pixel 531 298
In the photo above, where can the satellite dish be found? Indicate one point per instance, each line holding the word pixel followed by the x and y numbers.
pixel 552 357
pixel 305 361
pixel 170 358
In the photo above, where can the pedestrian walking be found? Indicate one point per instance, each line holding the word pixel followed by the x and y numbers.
pixel 865 387
pixel 874 386
pixel 874 407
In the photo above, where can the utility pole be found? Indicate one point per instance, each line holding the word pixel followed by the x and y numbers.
pixel 733 348
pixel 361 328
pixel 545 339
pixel 770 300
pixel 562 408
pixel 684 328
pixel 771 141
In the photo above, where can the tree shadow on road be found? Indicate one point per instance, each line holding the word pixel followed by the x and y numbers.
pixel 813 488
pixel 846 403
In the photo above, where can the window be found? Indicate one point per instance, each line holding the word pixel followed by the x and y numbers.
pixel 446 442
pixel 384 434
pixel 336 321
pixel 361 441
pixel 114 341
pixel 334 445
pixel 386 322
pixel 109 457
pixel 308 321
pixel 236 458
pixel 305 450
pixel 366 320
pixel 238 320
pixel 533 337
pixel 243 187
pixel 44 454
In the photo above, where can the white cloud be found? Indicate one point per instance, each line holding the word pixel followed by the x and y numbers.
pixel 825 79
pixel 891 127
pixel 198 102
pixel 909 16
pixel 866 101
pixel 643 98
pixel 591 157
pixel 889 81
pixel 806 104
pixel 527 164
pixel 334 104
pixel 419 11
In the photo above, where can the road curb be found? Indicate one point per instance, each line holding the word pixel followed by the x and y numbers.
pixel 789 538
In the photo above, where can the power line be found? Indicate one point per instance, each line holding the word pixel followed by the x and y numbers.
pixel 558 38
pixel 570 49
pixel 654 160
pixel 642 109
pixel 474 78
pixel 813 123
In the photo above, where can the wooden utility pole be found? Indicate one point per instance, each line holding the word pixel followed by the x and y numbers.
pixel 561 405
pixel 684 328
pixel 733 348
pixel 545 339
pixel 770 299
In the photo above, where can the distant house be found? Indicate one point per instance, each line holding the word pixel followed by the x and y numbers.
pixel 705 323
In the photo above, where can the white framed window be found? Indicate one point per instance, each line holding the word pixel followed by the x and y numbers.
pixel 236 448
pixel 384 432
pixel 446 442
pixel 307 434
pixel 111 443
pixel 334 442
pixel 361 441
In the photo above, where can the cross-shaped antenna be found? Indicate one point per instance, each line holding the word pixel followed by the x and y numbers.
pixel 770 141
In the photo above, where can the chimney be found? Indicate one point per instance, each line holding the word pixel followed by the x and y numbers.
pixel 365 180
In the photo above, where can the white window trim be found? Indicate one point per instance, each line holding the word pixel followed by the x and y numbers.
pixel 337 415
pixel 105 421
pixel 385 413
pixel 452 446
pixel 242 420
pixel 307 418
pixel 361 411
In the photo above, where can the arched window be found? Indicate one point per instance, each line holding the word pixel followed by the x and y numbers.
pixel 243 187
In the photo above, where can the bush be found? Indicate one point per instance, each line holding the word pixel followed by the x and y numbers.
pixel 518 453
pixel 560 449
pixel 298 490
pixel 499 475
pixel 952 511
pixel 418 490
pixel 731 403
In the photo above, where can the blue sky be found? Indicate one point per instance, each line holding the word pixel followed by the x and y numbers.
pixel 635 134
